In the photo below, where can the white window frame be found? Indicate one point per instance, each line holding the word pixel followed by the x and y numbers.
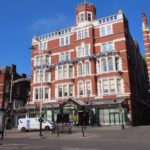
pixel 99 64
pixel 82 33
pixel 40 76
pixel 91 16
pixel 64 58
pixel 60 75
pixel 86 68
pixel 43 45
pixel 105 28
pixel 116 91
pixel 80 16
pixel 79 89
pixel 42 60
pixel 107 47
pixel 82 73
pixel 90 88
pixel 65 39
pixel 43 98
pixel 62 87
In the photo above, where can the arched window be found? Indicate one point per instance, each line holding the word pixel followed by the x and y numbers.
pixel 117 63
pixel 64 72
pixel 80 71
pixel 88 88
pixel 110 64
pixel 80 88
pixel 104 65
pixel 47 76
pixel 59 72
pixel 41 75
pixel 37 76
pixel 87 68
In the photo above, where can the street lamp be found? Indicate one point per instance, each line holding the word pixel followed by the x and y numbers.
pixel 121 112
pixel 10 98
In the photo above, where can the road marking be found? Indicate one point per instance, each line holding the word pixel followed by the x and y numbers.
pixel 19 146
pixel 70 148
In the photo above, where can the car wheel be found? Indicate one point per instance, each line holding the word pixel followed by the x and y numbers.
pixel 23 129
pixel 47 128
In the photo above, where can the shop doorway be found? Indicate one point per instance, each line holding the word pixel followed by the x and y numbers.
pixel 114 118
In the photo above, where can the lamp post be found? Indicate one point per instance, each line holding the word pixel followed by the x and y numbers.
pixel 10 98
pixel 41 86
pixel 121 112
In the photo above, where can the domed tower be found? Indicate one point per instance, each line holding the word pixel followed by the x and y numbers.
pixel 85 12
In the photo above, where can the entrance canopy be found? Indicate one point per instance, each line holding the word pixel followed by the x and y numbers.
pixel 72 101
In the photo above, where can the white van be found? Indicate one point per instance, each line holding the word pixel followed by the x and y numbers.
pixel 26 124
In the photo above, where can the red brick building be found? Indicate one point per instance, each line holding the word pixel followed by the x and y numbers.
pixel 14 90
pixel 95 65
pixel 146 37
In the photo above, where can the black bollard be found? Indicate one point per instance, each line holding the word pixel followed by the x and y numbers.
pixel 57 131
pixel 40 120
pixel 82 128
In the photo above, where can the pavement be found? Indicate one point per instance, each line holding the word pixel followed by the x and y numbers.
pixel 77 134
pixel 96 138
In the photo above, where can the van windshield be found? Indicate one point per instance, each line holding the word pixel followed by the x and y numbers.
pixel 1 119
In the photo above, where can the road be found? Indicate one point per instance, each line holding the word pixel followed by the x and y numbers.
pixel 97 138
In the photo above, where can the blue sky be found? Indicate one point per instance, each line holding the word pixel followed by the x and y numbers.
pixel 21 19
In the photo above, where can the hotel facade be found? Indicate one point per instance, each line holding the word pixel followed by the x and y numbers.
pixel 94 66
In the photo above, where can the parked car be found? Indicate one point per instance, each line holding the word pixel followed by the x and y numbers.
pixel 26 124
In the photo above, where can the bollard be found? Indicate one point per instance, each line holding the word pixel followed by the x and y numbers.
pixel 57 131
pixel 82 128
pixel 40 120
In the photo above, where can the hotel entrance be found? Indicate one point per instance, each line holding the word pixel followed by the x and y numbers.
pixel 73 109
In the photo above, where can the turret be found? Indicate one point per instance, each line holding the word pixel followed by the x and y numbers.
pixel 85 12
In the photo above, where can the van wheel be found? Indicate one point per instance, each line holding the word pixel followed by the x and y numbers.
pixel 47 128
pixel 23 129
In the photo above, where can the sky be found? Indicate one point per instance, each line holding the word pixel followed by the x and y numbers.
pixel 20 20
